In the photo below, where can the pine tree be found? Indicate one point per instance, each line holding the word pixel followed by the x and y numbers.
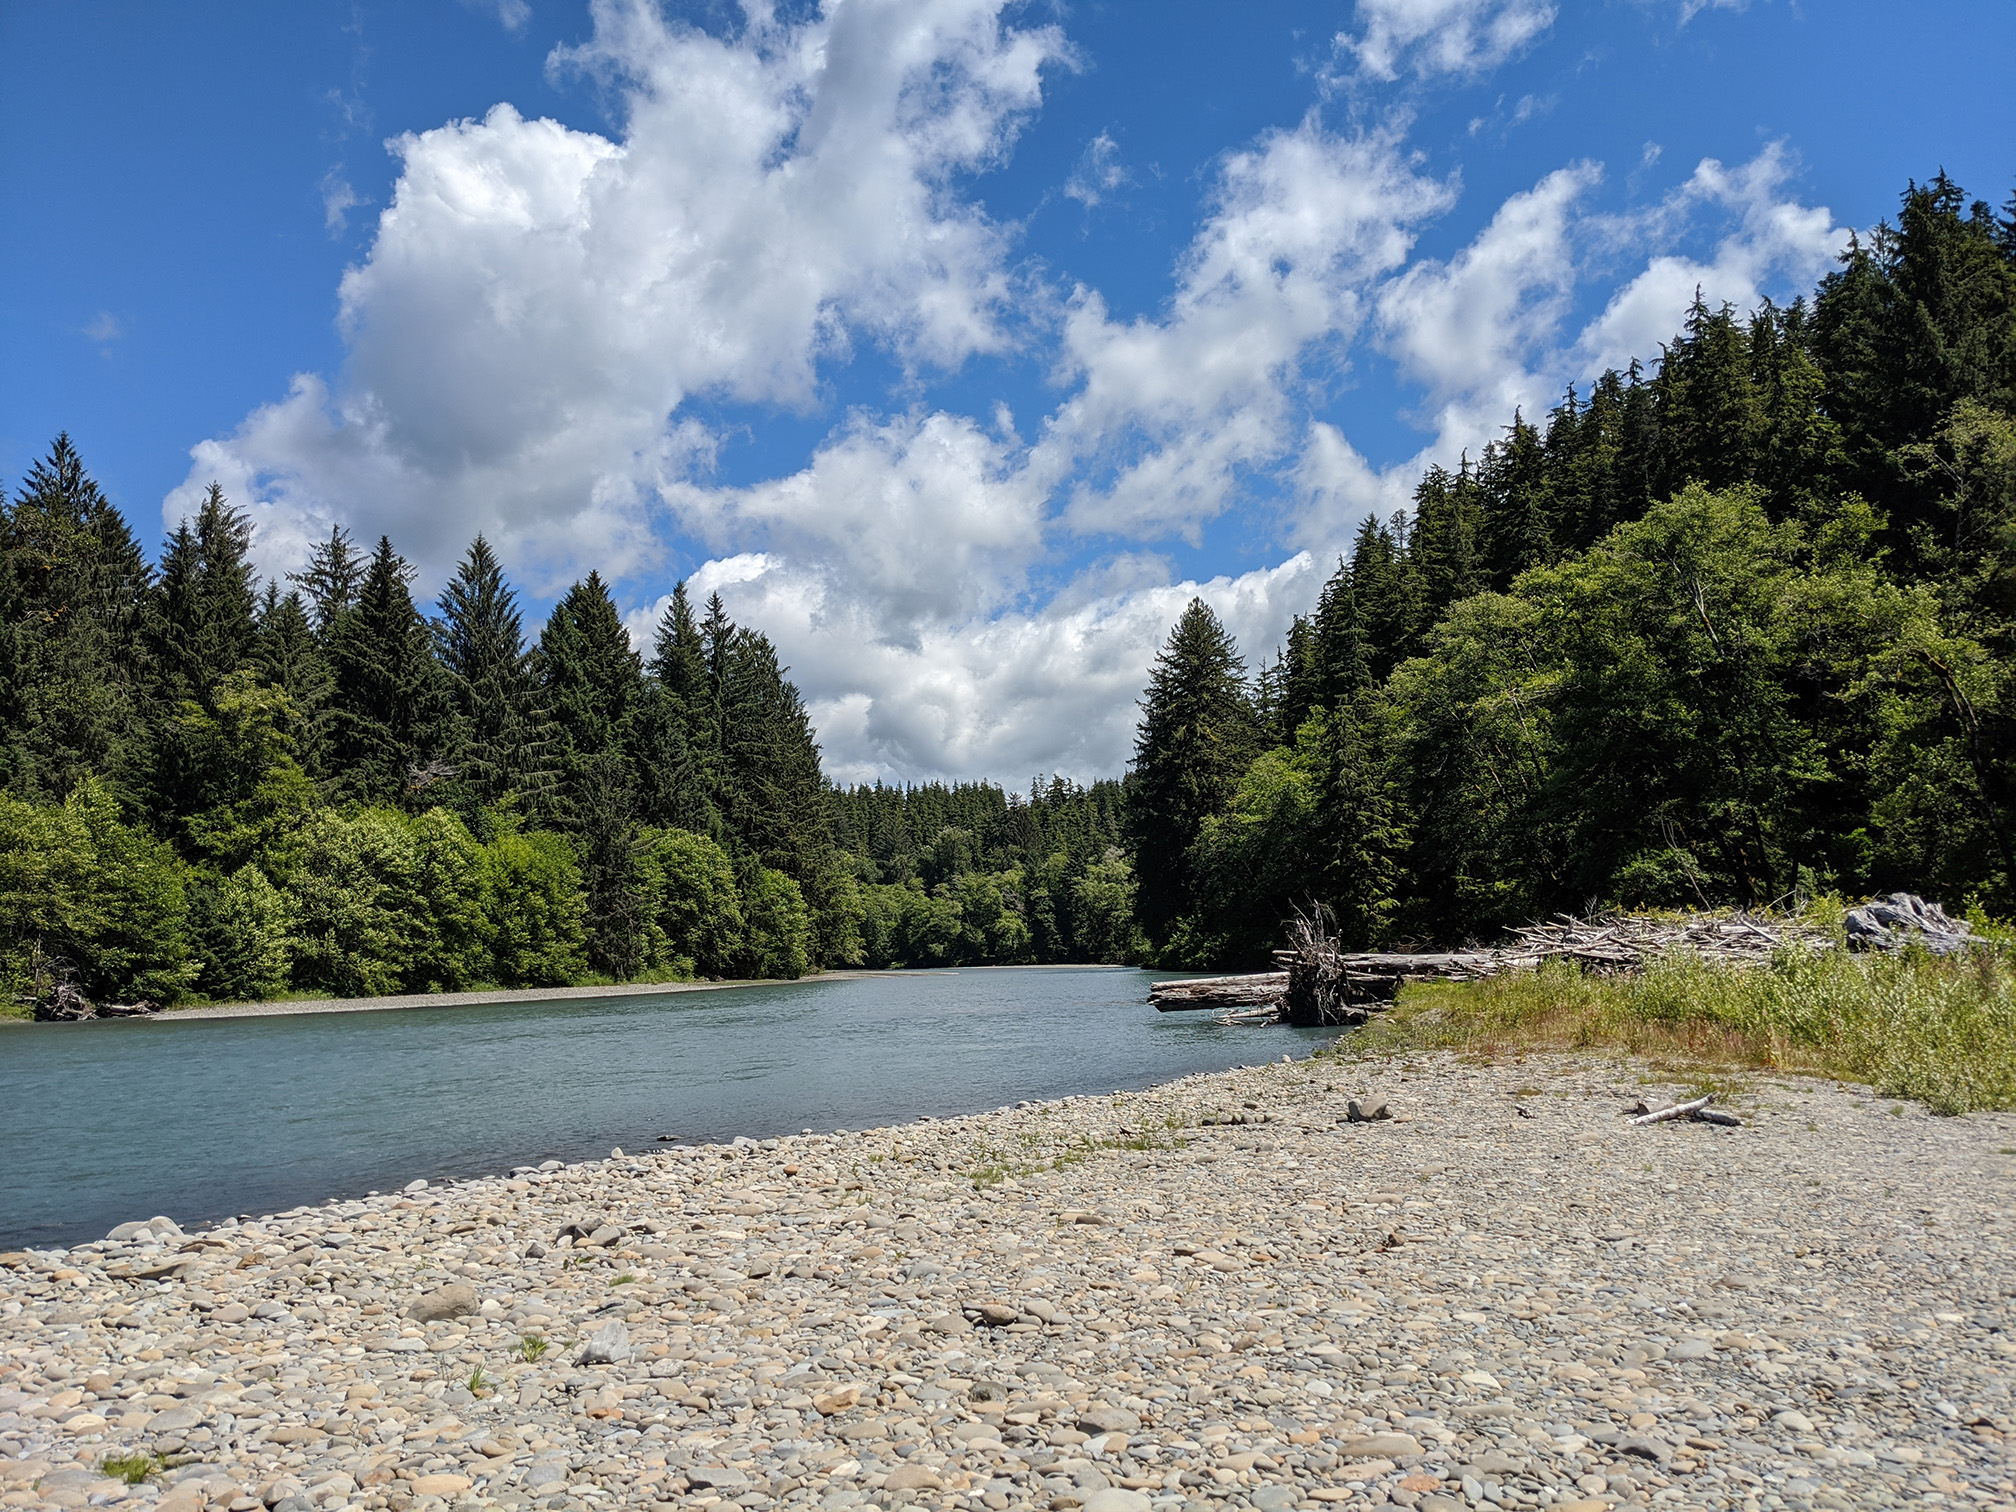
pixel 387 703
pixel 1196 736
pixel 73 590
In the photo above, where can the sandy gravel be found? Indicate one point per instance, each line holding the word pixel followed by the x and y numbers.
pixel 1505 1294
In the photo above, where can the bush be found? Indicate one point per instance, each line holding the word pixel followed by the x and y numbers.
pixel 779 928
pixel 531 889
pixel 692 912
pixel 78 885
pixel 244 931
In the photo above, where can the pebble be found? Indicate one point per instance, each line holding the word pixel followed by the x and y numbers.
pixel 1216 1295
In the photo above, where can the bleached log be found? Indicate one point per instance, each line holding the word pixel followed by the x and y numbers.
pixel 1678 1110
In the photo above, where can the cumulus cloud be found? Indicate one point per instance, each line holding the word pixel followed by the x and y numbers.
pixel 1774 240
pixel 1429 37
pixel 1012 695
pixel 552 327
pixel 538 300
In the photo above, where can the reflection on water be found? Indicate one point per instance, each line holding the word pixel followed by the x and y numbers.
pixel 202 1118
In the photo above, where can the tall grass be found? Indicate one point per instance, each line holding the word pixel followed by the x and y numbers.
pixel 1942 1032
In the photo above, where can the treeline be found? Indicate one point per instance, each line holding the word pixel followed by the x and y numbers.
pixel 972 874
pixel 217 788
pixel 1728 631
pixel 213 787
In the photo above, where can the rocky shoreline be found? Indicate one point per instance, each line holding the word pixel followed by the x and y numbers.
pixel 1219 1293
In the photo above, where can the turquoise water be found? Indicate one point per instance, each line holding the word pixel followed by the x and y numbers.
pixel 200 1119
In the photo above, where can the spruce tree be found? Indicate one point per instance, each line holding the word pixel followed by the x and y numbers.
pixel 73 590
pixel 387 704
pixel 205 612
pixel 287 656
pixel 1197 734
pixel 333 578
pixel 481 643
pixel 674 745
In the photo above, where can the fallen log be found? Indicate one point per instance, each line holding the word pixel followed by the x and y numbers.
pixel 1257 989
pixel 1678 1110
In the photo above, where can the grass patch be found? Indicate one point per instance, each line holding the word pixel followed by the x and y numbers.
pixel 1041 1152
pixel 532 1349
pixel 1941 1032
pixel 130 1468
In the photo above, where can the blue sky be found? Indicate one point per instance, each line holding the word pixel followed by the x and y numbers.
pixel 956 343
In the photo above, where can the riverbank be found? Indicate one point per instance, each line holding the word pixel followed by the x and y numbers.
pixel 546 994
pixel 1107 1301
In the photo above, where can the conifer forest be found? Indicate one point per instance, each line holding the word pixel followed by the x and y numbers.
pixel 1732 625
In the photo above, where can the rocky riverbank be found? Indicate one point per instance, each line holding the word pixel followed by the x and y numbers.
pixel 1217 1294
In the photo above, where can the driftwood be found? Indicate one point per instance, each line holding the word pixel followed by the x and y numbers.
pixel 1678 1110
pixel 1320 983
pixel 1261 989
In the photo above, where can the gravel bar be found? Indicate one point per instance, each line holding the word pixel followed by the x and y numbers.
pixel 1220 1293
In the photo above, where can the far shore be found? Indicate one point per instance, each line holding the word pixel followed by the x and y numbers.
pixel 554 994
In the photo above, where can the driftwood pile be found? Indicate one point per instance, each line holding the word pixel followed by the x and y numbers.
pixel 1320 983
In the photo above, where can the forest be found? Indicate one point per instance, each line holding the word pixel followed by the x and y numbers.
pixel 1734 629
pixel 214 789
pixel 1733 625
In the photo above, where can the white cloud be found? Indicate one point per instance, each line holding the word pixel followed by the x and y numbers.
pixel 539 300
pixel 920 519
pixel 540 307
pixel 511 14
pixel 104 326
pixel 338 200
pixel 1012 695
pixel 1775 241
pixel 1099 172
pixel 1468 329
pixel 1169 412
pixel 1428 37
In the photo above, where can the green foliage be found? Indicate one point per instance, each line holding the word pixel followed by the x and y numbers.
pixel 692 909
pixel 1659 651
pixel 777 926
pixel 82 891
pixel 243 929
pixel 361 918
pixel 531 891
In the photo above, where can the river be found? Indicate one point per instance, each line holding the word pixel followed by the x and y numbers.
pixel 200 1119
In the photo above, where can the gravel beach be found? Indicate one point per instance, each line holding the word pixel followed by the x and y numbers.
pixel 1219 1293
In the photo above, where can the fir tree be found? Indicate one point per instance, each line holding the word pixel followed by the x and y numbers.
pixel 386 701
pixel 481 643
pixel 73 587
pixel 204 623
pixel 1196 735
pixel 333 579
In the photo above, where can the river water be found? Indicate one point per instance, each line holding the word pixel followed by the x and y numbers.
pixel 199 1119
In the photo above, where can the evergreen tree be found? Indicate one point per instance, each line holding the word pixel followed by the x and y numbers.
pixel 1518 510
pixel 1196 736
pixel 287 656
pixel 204 621
pixel 387 729
pixel 674 743
pixel 497 733
pixel 333 579
pixel 73 588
